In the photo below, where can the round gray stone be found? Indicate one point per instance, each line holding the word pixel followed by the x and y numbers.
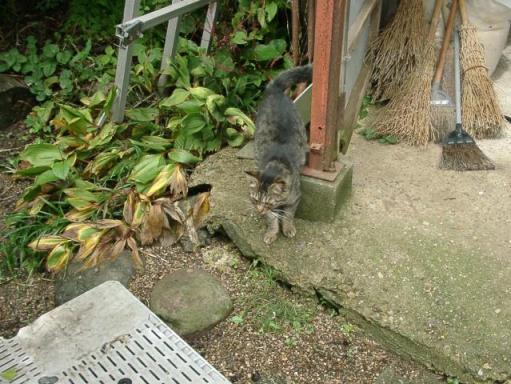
pixel 190 301
pixel 74 282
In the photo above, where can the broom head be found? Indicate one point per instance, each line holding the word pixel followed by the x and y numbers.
pixel 461 153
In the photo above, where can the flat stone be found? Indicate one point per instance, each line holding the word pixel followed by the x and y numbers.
pixel 190 302
pixel 418 257
pixel 74 282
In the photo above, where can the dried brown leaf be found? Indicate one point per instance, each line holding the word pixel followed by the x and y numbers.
pixel 129 207
pixel 178 184
pixel 200 209
pixel 152 225
pixel 134 251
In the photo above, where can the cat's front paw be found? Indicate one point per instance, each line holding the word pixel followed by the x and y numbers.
pixel 270 237
pixel 288 229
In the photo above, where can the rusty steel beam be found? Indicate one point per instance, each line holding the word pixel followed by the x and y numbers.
pixel 328 48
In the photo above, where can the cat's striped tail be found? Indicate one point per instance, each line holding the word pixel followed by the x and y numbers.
pixel 291 77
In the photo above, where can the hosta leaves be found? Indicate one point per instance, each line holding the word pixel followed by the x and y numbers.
pixel 174 122
pixel 102 161
pixel 161 181
pixel 80 215
pixel 37 205
pixel 31 171
pixel 45 243
pixel 104 136
pixel 59 257
pixel 183 156
pixel 45 178
pixel 192 123
pixel 143 114
pixel 79 231
pixel 201 93
pixel 178 96
pixel 96 99
pixel 41 154
pixel 214 104
pixel 147 168
pixel 234 138
pixel 88 246
pixel 236 117
pixel 82 199
pixel 61 168
pixel 140 210
pixel 77 121
pixel 156 143
pixel 129 207
pixel 191 106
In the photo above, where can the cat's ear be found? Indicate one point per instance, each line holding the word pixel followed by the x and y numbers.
pixel 255 174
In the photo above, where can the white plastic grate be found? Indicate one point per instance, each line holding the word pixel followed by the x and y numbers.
pixel 68 345
pixel 13 359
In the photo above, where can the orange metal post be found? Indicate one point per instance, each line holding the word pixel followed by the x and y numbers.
pixel 328 40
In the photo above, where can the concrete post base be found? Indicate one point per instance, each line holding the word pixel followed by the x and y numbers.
pixel 321 200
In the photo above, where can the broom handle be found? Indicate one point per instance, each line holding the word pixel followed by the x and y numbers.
pixel 435 18
pixel 445 44
pixel 457 80
pixel 463 12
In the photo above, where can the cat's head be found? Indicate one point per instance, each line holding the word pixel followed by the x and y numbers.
pixel 268 190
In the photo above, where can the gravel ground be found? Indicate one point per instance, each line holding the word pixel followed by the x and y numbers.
pixel 272 331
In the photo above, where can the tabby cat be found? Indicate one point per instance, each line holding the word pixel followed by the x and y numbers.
pixel 280 153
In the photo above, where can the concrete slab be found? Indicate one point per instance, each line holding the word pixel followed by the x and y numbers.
pixel 390 376
pixel 419 257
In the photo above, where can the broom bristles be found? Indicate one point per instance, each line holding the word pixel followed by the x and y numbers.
pixel 443 121
pixel 464 157
pixel 482 116
pixel 408 115
pixel 396 52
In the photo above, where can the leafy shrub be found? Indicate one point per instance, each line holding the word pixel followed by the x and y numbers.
pixel 98 189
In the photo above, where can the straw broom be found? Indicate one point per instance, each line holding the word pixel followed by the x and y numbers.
pixel 396 51
pixel 482 116
pixel 408 115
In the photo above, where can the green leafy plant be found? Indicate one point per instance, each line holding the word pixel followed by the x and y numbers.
pixel 84 176
pixel 367 101
pixel 371 134
pixel 57 71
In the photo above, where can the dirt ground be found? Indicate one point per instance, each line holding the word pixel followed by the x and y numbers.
pixel 271 333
